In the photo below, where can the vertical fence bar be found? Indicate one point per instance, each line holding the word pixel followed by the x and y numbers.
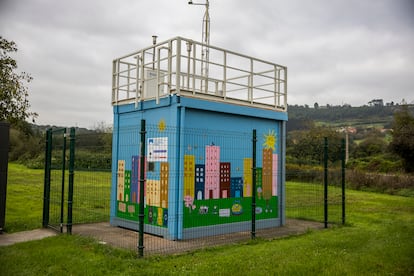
pixel 71 178
pixel 46 188
pixel 282 188
pixel 325 181
pixel 62 198
pixel 141 191
pixel 253 232
pixel 4 157
pixel 343 149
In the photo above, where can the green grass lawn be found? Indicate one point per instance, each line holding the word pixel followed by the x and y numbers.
pixel 306 201
pixel 24 207
pixel 377 240
pixel 24 200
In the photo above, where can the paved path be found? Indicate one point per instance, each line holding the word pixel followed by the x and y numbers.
pixel 37 234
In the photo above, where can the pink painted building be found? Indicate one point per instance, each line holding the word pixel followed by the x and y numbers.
pixel 212 180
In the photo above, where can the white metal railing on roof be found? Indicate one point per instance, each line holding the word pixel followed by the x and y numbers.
pixel 175 67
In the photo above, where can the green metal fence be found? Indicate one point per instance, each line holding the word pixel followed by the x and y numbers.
pixel 84 208
pixel 317 193
pixel 77 179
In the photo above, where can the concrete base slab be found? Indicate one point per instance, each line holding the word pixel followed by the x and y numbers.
pixel 128 239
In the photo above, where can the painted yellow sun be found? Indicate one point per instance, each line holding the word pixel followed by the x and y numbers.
pixel 161 125
pixel 270 140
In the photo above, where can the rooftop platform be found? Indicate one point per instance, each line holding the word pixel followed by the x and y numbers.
pixel 191 69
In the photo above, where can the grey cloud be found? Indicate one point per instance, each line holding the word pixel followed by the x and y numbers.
pixel 336 51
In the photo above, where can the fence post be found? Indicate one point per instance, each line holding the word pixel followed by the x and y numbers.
pixel 325 181
pixel 253 232
pixel 62 197
pixel 4 157
pixel 46 187
pixel 71 178
pixel 343 179
pixel 141 191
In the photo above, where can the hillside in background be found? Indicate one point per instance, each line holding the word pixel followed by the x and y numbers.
pixel 365 117
pixel 372 142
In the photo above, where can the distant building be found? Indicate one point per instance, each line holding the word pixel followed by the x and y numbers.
pixel 376 102
pixel 351 130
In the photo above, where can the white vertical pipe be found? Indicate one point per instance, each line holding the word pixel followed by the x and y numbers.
pixel 250 82
pixel 169 66
pixel 194 67
pixel 137 81
pixel 142 96
pixel 224 74
pixel 178 67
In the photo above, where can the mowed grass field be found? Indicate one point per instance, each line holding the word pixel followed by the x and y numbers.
pixel 24 200
pixel 378 239
pixel 24 207
pixel 91 199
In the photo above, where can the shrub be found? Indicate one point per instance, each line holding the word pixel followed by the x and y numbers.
pixel 384 183
pixel 384 163
pixel 304 173
pixel 92 160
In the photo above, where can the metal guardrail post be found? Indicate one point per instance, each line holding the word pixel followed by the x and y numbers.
pixel 178 67
pixel 71 178
pixel 253 232
pixel 141 215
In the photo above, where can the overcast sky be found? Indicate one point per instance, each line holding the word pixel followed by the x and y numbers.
pixel 336 51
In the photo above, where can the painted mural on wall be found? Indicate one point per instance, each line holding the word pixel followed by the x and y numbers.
pixel 214 192
pixel 156 185
pixel 155 192
pixel 212 195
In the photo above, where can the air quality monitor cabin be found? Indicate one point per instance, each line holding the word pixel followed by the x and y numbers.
pixel 201 105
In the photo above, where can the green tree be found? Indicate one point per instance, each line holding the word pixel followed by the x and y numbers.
pixel 372 145
pixel 14 102
pixel 307 147
pixel 24 145
pixel 402 142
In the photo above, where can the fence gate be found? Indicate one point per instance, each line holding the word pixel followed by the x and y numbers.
pixel 58 168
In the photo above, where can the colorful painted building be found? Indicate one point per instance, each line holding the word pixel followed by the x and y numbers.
pixel 198 161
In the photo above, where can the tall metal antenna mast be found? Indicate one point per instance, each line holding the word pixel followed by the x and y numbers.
pixel 206 42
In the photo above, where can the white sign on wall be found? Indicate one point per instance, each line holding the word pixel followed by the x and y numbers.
pixel 157 149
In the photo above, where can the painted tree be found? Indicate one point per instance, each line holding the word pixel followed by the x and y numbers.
pixel 402 142
pixel 14 102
